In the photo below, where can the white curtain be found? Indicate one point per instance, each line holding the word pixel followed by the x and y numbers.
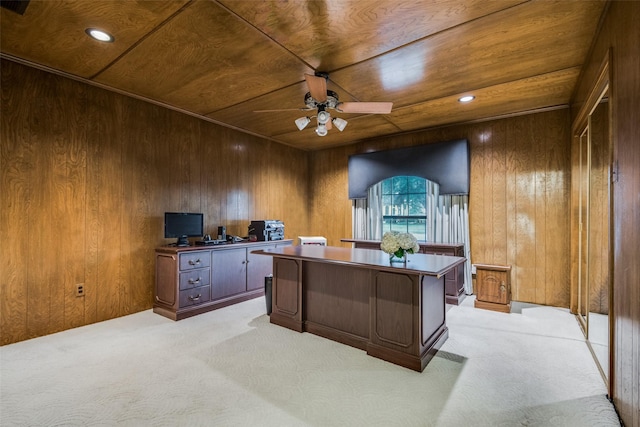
pixel 359 219
pixel 375 212
pixel 367 215
pixel 451 225
pixel 448 222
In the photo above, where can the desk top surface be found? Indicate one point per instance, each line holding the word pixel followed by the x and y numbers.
pixel 433 265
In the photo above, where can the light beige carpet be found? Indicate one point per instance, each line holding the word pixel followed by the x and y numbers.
pixel 231 367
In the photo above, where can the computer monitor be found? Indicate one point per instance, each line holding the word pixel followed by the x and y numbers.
pixel 182 225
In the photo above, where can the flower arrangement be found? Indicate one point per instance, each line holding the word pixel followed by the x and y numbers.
pixel 399 244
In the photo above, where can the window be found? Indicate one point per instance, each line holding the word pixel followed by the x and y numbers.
pixel 404 205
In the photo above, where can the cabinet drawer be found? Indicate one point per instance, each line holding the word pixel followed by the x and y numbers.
pixel 195 278
pixel 195 260
pixel 195 296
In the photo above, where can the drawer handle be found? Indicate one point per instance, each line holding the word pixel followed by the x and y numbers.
pixel 196 262
pixel 191 281
pixel 196 298
pixel 502 287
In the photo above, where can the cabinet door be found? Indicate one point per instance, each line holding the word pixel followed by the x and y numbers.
pixel 228 272
pixel 258 267
pixel 492 286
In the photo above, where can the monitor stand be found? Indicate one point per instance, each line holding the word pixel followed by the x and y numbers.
pixel 182 241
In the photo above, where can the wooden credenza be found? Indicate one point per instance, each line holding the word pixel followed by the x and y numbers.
pixel 454 280
pixel 396 312
pixel 195 279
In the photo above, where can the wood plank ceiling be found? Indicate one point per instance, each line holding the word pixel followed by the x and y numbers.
pixel 222 60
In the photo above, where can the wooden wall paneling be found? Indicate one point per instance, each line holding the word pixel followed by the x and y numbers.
pixel 624 36
pixel 539 207
pixel 104 194
pixel 127 207
pixel 477 215
pixel 317 194
pixel 275 187
pixel 70 170
pixel 17 166
pixel 511 250
pixel 45 281
pixel 293 203
pixel 225 172
pixel 215 176
pixel 330 205
pixel 557 192
pixel 261 186
pixel 555 210
pixel 555 143
pixel 182 164
pixel 525 266
pixel 242 182
pixel 230 184
pixel 169 160
pixel 89 175
pixel 211 205
pixel 134 208
pixel 487 194
pixel 499 199
pixel 477 212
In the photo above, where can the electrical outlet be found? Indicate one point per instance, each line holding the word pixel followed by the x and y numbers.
pixel 80 290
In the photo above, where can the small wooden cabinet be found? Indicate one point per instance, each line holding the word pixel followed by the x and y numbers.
pixel 493 287
pixel 195 279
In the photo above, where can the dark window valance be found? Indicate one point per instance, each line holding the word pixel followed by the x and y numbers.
pixel 446 163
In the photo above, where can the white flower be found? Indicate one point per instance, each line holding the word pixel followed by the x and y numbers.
pixel 408 242
pixel 390 242
pixel 393 241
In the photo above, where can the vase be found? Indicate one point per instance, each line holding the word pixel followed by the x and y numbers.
pixel 395 259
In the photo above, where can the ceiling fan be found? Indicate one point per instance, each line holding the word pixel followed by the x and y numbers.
pixel 320 99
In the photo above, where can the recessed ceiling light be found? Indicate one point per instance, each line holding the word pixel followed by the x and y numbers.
pixel 467 98
pixel 99 35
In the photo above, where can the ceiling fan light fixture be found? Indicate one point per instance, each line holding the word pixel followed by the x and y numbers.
pixel 466 98
pixel 99 35
pixel 302 122
pixel 323 117
pixel 321 130
pixel 339 123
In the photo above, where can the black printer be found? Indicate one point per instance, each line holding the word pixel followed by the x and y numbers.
pixel 266 229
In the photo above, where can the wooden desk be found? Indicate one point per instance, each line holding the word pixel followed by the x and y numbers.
pixel 454 279
pixel 395 312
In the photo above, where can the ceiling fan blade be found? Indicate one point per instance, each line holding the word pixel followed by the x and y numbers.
pixel 317 87
pixel 329 125
pixel 284 109
pixel 365 107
